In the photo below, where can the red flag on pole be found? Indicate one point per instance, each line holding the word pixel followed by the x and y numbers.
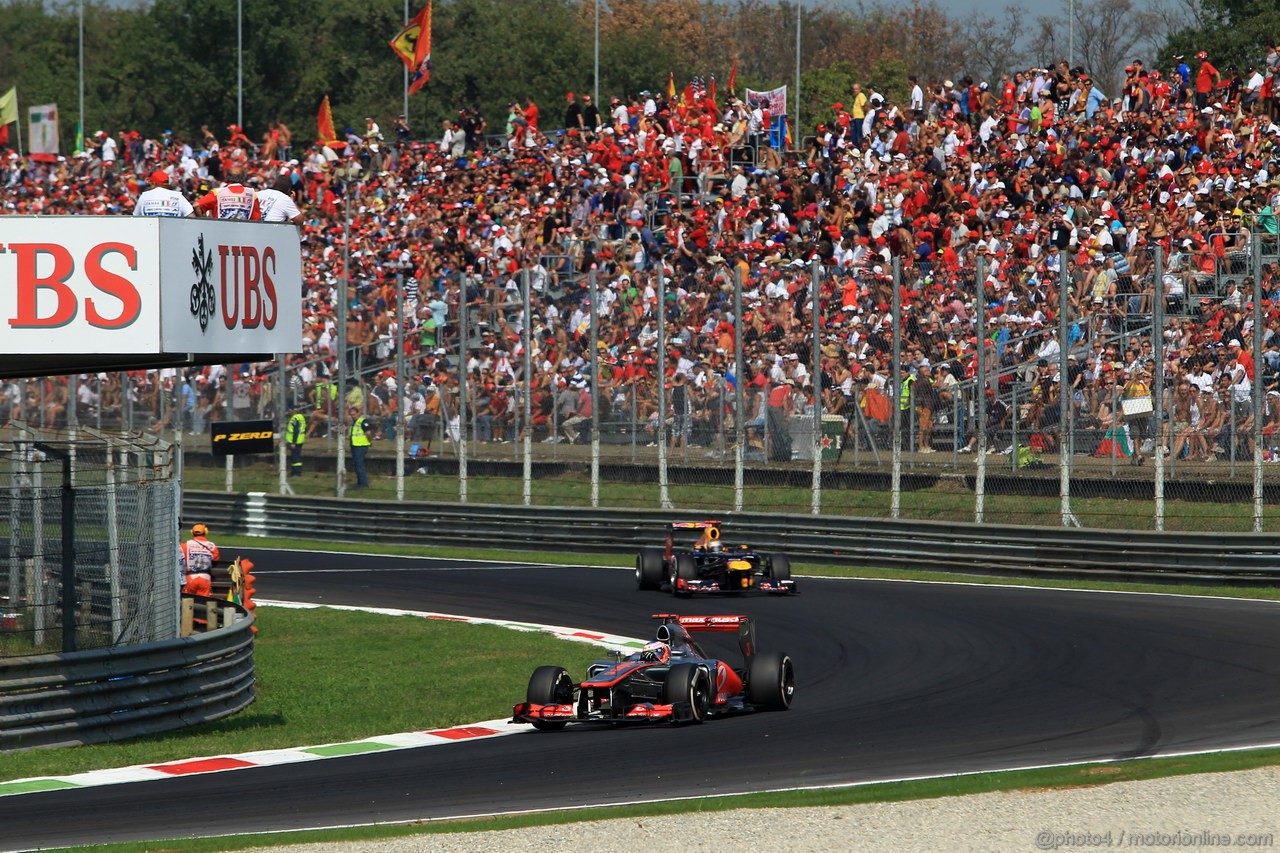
pixel 711 90
pixel 733 77
pixel 324 123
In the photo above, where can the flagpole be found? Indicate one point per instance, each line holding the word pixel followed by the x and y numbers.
pixel 18 104
pixel 799 7
pixel 240 64
pixel 596 92
pixel 406 68
pixel 82 131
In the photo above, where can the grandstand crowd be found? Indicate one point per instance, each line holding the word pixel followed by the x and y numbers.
pixel 1039 179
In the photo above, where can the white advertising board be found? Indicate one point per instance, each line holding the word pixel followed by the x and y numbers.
pixel 230 287
pixel 101 285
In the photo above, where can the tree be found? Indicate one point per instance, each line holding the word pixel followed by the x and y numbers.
pixel 1107 35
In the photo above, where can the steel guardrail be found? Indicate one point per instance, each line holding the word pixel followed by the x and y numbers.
pixel 122 692
pixel 873 542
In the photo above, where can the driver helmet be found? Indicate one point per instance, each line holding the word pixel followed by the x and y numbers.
pixel 714 545
pixel 656 652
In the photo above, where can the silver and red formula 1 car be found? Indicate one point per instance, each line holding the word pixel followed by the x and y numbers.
pixel 670 680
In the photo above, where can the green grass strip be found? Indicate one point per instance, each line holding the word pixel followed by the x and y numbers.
pixel 316 670
pixel 948 498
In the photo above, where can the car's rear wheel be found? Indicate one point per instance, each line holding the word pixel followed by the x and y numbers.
pixel 686 570
pixel 688 684
pixel 779 568
pixel 771 681
pixel 650 571
pixel 550 685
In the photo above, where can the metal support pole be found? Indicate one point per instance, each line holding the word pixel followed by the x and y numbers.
pixel 526 487
pixel 664 495
pixel 464 324
pixel 1259 401
pixel 1065 402
pixel 815 315
pixel 595 389
pixel 980 392
pixel 339 429
pixel 228 413
pixel 401 395
pixel 405 69
pixel 282 426
pixel 240 64
pixel 796 129
pixel 596 87
pixel 898 383
pixel 739 417
pixel 84 130
pixel 1162 417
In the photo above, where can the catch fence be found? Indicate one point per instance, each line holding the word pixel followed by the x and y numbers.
pixel 1136 390
pixel 88 540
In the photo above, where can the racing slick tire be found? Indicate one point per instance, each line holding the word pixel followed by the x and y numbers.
pixel 771 681
pixel 651 573
pixel 779 568
pixel 686 569
pixel 550 685
pixel 688 684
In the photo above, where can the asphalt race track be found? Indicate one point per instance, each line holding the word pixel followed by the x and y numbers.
pixel 893 680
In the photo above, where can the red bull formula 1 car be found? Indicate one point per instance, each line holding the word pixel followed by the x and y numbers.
pixel 670 680
pixel 710 565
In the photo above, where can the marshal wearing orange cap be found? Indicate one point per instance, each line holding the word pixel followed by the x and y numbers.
pixel 201 554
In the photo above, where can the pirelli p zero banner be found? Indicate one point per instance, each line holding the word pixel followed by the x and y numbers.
pixel 231 438
pixel 126 284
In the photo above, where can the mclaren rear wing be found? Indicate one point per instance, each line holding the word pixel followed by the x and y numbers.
pixel 744 625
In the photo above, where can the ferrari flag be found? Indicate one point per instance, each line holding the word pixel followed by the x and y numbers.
pixel 413 46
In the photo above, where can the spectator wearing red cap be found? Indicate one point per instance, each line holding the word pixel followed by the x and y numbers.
pixel 160 200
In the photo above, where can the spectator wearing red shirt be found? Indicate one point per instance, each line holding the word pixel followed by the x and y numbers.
pixel 1207 79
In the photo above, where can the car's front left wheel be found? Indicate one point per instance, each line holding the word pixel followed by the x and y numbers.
pixel 550 685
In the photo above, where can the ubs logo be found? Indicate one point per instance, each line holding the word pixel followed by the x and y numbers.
pixel 202 294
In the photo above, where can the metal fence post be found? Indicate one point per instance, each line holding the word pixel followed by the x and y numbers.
pixel 664 496
pixel 1065 399
pixel 739 415
pixel 282 425
pixel 898 382
pixel 398 419
pixel 464 329
pixel 1162 416
pixel 980 390
pixel 595 387
pixel 815 506
pixel 526 485
pixel 1259 400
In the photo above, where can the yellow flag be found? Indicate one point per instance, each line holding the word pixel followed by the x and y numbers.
pixel 9 106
